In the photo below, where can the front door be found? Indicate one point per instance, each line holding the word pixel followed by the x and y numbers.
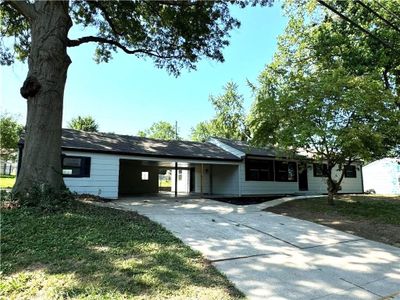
pixel 303 181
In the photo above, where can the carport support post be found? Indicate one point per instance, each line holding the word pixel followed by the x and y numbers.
pixel 176 179
pixel 201 180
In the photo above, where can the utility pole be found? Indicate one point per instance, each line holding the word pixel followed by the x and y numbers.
pixel 176 130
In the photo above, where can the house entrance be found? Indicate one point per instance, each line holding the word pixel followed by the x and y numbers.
pixel 303 180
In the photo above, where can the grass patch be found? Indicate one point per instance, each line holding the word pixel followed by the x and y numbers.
pixel 165 183
pixel 89 252
pixel 371 216
pixel 7 181
pixel 378 208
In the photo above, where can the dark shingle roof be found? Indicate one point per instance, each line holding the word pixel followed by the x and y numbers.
pixel 247 149
pixel 133 145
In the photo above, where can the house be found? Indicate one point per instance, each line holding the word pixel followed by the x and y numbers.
pixel 382 176
pixel 111 165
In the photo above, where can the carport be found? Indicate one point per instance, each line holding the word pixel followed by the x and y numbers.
pixel 141 176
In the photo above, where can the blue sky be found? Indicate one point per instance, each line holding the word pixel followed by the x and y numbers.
pixel 129 94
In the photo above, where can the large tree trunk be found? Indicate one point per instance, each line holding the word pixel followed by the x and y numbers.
pixel 44 91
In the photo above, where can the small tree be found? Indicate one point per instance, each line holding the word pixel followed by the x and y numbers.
pixel 336 116
pixel 229 120
pixel 10 131
pixel 203 131
pixel 84 123
pixel 160 130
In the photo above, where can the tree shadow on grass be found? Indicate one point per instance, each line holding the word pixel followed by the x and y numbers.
pixel 88 251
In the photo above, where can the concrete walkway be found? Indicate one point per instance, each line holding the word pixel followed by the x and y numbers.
pixel 269 256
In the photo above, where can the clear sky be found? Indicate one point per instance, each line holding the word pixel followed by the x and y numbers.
pixel 129 94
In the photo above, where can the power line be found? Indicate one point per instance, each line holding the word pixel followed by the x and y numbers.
pixel 377 15
pixel 394 15
pixel 331 8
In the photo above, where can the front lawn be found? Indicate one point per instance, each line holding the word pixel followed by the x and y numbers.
pixel 7 181
pixel 370 216
pixel 89 252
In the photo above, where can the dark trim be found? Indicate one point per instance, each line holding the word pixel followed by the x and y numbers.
pixel 149 155
pixel 250 156
pixel 324 169
pixel 84 168
pixel 346 167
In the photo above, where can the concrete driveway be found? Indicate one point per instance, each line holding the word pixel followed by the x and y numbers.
pixel 269 256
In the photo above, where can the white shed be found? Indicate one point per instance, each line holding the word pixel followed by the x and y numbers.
pixel 383 176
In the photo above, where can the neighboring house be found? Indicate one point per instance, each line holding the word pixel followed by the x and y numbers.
pixel 8 168
pixel 382 176
pixel 111 165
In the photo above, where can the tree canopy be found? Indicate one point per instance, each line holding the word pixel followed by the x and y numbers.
pixel 229 120
pixel 160 130
pixel 10 132
pixel 84 123
pixel 174 34
pixel 323 99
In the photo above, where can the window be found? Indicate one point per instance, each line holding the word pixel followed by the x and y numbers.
pixel 179 175
pixel 350 171
pixel 285 171
pixel 145 175
pixel 320 170
pixel 76 166
pixel 259 170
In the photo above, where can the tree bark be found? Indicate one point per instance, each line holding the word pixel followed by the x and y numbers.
pixel 44 90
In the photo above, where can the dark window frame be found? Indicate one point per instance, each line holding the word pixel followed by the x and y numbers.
pixel 84 167
pixel 323 168
pixel 259 169
pixel 350 171
pixel 283 174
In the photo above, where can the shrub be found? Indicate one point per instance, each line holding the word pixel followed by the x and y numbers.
pixel 45 198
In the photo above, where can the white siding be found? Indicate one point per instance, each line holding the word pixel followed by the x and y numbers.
pixel 319 185
pixel 225 180
pixel 383 176
pixel 103 180
pixel 206 179
pixel 316 185
pixel 183 183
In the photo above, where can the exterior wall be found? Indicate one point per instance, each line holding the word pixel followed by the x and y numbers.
pixel 183 183
pixel 104 174
pixel 316 185
pixel 319 185
pixel 382 176
pixel 265 187
pixel 225 180
pixel 206 179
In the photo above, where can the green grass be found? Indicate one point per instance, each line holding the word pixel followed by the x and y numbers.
pixel 89 252
pixel 165 183
pixel 7 181
pixel 383 209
